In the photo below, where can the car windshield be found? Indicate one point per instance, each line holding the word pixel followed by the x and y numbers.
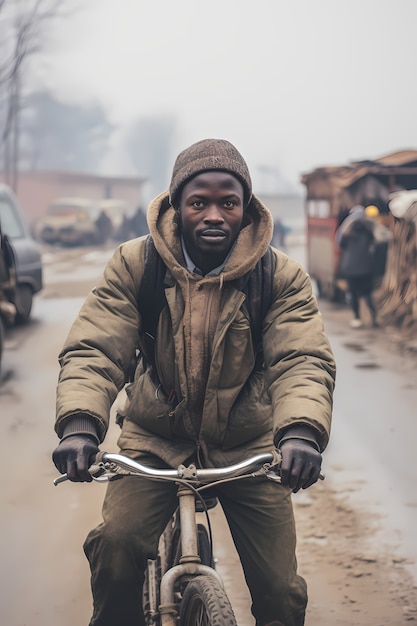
pixel 10 222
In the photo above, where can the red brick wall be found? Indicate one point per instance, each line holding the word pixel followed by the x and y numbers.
pixel 36 191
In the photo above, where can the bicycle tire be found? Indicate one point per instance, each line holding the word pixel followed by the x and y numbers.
pixel 204 548
pixel 205 603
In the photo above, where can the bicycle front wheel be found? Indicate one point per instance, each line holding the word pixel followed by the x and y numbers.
pixel 204 547
pixel 205 603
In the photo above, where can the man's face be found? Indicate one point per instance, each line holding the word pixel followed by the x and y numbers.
pixel 211 212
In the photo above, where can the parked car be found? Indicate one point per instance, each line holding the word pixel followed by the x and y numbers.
pixel 28 258
pixel 75 221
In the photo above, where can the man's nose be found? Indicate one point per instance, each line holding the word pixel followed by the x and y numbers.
pixel 213 214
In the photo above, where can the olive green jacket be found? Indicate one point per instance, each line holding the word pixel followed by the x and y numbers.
pixel 245 408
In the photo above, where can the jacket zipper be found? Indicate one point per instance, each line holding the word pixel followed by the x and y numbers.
pixel 198 452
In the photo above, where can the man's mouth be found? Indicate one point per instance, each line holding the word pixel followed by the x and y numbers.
pixel 213 234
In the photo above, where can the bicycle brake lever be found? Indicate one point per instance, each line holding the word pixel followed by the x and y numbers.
pixel 96 470
pixel 60 479
pixel 271 475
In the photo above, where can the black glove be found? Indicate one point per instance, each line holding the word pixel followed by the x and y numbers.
pixel 74 455
pixel 300 465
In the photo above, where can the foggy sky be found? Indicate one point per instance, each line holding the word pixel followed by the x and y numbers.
pixel 294 84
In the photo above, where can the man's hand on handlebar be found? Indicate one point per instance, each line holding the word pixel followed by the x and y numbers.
pixel 300 465
pixel 74 455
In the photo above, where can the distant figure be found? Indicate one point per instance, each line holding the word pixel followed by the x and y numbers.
pixel 356 238
pixel 125 231
pixel 280 232
pixel 382 236
pixel 7 280
pixel 138 223
pixel 104 227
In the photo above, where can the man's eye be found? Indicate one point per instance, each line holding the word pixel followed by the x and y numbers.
pixel 198 204
pixel 229 204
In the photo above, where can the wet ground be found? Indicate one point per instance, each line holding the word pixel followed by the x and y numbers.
pixel 355 529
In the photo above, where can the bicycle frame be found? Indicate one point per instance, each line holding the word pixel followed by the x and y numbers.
pixel 190 561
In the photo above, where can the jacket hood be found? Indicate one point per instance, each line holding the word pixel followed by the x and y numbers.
pixel 251 244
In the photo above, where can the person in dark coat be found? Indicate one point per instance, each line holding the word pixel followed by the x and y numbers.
pixel 138 223
pixel 356 238
pixel 7 280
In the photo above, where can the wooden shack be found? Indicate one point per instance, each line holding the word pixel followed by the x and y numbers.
pixel 332 191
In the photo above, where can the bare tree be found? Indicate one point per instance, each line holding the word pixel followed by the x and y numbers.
pixel 60 135
pixel 21 24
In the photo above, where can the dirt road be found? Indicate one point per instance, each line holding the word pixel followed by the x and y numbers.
pixel 353 552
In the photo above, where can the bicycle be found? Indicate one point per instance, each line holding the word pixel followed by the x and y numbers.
pixel 182 582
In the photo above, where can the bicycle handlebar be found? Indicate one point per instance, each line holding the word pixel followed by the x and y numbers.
pixel 191 472
pixel 109 466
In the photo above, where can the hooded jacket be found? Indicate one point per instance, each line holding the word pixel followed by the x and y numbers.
pixel 356 238
pixel 244 408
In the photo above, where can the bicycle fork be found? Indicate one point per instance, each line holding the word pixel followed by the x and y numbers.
pixel 190 562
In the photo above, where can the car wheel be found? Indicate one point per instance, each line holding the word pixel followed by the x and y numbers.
pixel 24 300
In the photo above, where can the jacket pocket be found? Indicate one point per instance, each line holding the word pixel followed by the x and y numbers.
pixel 149 406
pixel 251 414
pixel 236 360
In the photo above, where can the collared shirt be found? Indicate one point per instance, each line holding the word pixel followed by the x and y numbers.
pixel 191 267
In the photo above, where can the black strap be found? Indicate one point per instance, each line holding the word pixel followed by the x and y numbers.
pixel 151 299
pixel 258 290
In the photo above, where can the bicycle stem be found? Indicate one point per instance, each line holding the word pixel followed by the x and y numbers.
pixel 189 537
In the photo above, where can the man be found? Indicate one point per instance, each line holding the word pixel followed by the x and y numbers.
pixel 7 283
pixel 209 399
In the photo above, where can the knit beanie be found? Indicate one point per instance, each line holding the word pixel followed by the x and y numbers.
pixel 208 154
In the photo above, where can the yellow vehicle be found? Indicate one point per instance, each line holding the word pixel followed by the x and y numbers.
pixel 74 221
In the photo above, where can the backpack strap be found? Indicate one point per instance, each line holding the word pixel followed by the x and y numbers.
pixel 258 290
pixel 151 297
pixel 150 300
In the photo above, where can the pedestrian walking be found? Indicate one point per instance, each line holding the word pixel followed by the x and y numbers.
pixel 356 239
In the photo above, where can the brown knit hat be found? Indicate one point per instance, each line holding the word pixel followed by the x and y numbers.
pixel 208 154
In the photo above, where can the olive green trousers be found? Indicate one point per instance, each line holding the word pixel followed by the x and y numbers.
pixel 135 512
